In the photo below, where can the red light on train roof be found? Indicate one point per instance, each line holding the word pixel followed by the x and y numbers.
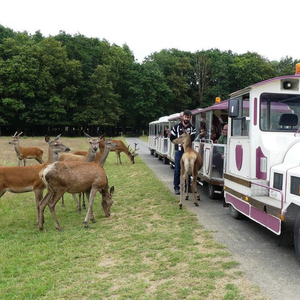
pixel 217 100
pixel 297 68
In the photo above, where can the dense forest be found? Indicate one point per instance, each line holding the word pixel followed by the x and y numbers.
pixel 66 83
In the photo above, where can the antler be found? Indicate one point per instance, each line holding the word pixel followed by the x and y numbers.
pixel 86 135
pixel 135 149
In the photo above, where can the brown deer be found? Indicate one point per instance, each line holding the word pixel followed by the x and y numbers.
pixel 24 153
pixel 67 176
pixel 26 179
pixel 105 146
pixel 122 148
pixel 190 164
pixel 89 155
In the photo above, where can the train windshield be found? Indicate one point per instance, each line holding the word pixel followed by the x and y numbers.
pixel 279 112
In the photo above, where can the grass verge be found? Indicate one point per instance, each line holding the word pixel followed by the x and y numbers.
pixel 147 249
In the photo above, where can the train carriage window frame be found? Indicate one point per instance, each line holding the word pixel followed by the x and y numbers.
pixel 273 105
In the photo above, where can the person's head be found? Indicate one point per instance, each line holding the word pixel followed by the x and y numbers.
pixel 225 129
pixel 186 116
pixel 202 132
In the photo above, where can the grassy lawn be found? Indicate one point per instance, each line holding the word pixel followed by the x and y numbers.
pixel 147 249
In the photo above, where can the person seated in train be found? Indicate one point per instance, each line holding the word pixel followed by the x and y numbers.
pixel 218 157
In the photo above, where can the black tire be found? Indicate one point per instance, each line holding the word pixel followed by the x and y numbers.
pixel 211 191
pixel 234 213
pixel 297 236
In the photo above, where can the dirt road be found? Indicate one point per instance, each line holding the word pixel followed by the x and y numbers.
pixel 274 268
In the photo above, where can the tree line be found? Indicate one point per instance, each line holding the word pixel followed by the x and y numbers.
pixel 69 83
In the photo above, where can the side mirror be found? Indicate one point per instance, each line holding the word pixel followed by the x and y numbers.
pixel 233 108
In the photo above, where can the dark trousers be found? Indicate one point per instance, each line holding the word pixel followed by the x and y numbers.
pixel 178 155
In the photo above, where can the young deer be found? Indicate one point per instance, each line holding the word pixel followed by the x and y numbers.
pixel 24 153
pixel 122 148
pixel 26 179
pixel 190 164
pixel 61 177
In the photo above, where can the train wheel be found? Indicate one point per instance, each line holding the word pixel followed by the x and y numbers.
pixel 234 213
pixel 211 191
pixel 165 161
pixel 297 236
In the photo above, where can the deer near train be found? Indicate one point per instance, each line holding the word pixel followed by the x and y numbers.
pixel 190 164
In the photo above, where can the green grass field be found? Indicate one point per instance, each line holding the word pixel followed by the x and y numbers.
pixel 147 249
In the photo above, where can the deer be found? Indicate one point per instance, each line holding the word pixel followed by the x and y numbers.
pixel 104 146
pixel 122 148
pixel 24 153
pixel 26 179
pixel 190 164
pixel 89 155
pixel 67 176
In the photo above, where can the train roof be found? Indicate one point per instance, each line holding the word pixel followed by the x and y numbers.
pixel 217 105
pixel 176 116
pixel 248 88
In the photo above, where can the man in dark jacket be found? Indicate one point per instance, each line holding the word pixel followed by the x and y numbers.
pixel 177 130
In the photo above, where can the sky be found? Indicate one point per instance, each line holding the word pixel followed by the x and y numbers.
pixel 267 27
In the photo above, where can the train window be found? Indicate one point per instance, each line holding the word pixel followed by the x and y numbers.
pixel 278 178
pixel 295 183
pixel 273 108
pixel 240 125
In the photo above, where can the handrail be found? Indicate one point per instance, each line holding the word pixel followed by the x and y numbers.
pixel 270 188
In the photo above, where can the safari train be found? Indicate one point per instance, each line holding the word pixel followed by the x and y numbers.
pixel 260 176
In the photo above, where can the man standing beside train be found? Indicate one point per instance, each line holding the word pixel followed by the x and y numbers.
pixel 184 125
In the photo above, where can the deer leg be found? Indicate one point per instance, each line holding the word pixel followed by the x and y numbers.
pixel 20 162
pixel 195 190
pixel 62 201
pixel 78 202
pixel 40 160
pixel 182 179
pixel 51 203
pixel 42 205
pixel 83 201
pixel 90 209
pixel 24 159
pixel 38 194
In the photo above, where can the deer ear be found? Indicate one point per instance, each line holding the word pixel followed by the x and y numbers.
pixel 112 190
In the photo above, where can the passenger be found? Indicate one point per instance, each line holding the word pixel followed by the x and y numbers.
pixel 218 157
pixel 201 136
pixel 166 131
pixel 177 130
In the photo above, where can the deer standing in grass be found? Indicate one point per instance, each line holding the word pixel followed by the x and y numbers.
pixel 74 177
pixel 122 148
pixel 104 146
pixel 87 156
pixel 26 179
pixel 24 153
pixel 190 164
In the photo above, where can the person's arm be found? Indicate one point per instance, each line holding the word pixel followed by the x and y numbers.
pixel 173 134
